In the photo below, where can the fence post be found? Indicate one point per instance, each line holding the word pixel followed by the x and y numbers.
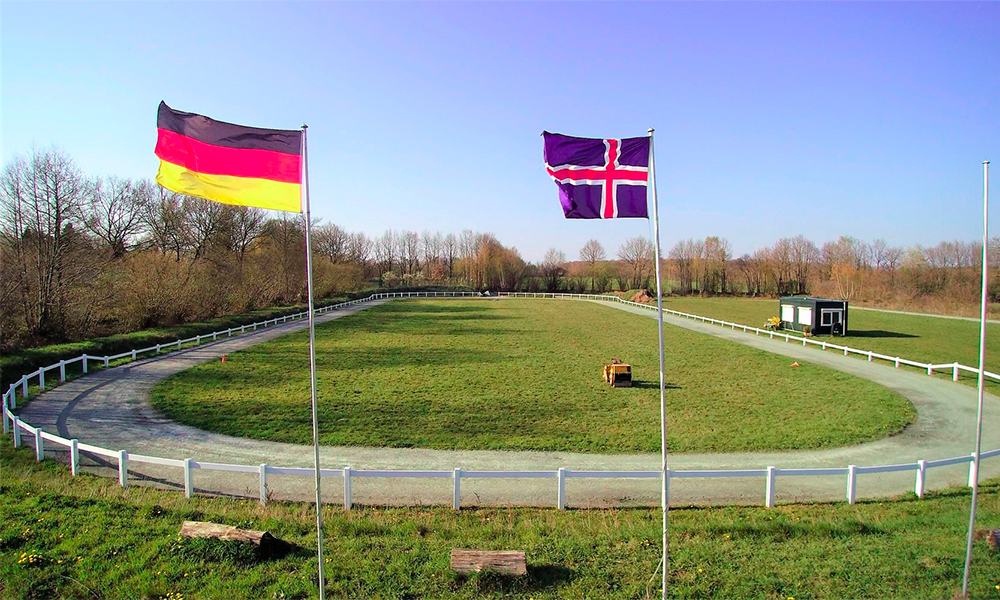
pixel 84 363
pixel 3 417
pixel 869 356
pixel 39 445
pixel 106 362
pixel 41 379
pixel 845 350
pixel 347 488
pixel 157 348
pixel 24 393
pixel 897 362
pixel 229 332
pixel 133 354
pixel 74 457
pixel 954 372
pixel 456 500
pixel 62 370
pixel 769 488
pixel 263 483
pixel 16 424
pixel 852 481
pixel 188 479
pixel 824 345
pixel 123 468
pixel 215 335
pixel 930 371
pixel 972 470
pixel 561 499
pixel 921 479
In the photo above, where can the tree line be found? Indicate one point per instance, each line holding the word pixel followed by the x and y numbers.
pixel 941 277
pixel 85 256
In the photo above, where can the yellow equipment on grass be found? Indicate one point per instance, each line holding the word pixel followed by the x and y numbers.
pixel 618 374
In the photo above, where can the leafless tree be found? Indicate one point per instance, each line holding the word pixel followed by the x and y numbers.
pixel 113 212
pixel 637 254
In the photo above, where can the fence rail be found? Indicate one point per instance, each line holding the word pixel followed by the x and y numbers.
pixel 13 424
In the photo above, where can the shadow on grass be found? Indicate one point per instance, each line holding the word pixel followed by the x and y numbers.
pixel 783 530
pixel 539 577
pixel 653 385
pixel 878 333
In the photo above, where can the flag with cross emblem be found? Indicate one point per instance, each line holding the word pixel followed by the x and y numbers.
pixel 599 178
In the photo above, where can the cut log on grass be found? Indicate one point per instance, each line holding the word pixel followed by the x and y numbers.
pixel 262 539
pixel 992 537
pixel 508 562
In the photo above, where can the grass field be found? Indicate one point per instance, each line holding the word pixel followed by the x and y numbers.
pixel 85 537
pixel 924 339
pixel 525 374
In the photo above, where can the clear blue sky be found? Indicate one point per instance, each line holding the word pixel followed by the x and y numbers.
pixel 856 119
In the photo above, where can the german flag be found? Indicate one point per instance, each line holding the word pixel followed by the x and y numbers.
pixel 232 164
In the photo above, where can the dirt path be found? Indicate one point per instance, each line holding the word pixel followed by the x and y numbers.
pixel 110 408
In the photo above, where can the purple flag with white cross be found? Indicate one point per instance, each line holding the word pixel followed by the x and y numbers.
pixel 599 178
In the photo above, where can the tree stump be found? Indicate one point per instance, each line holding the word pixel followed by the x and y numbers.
pixel 508 562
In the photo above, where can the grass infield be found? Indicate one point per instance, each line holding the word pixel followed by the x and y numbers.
pixel 525 375
pixel 921 338
pixel 84 537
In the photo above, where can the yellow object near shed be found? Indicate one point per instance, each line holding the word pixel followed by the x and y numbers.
pixel 618 374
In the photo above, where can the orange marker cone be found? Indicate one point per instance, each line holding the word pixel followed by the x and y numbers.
pixel 223 359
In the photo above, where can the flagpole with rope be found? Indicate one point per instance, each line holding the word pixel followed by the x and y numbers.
pixel 663 395
pixel 982 368
pixel 312 363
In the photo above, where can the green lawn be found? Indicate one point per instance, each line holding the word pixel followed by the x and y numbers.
pixel 525 375
pixel 91 539
pixel 923 339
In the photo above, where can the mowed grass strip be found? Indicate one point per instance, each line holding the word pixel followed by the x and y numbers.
pixel 525 375
pixel 91 539
pixel 927 339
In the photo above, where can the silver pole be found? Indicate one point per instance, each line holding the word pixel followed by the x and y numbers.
pixel 982 369
pixel 312 366
pixel 663 391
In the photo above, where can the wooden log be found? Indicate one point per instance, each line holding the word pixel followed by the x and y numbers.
pixel 508 562
pixel 992 537
pixel 201 529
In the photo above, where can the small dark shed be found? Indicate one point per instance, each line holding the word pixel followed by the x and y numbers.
pixel 820 315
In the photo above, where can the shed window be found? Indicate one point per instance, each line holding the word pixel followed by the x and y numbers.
pixel 832 316
pixel 788 313
pixel 805 315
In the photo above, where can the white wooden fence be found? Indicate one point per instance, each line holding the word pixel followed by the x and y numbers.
pixel 13 424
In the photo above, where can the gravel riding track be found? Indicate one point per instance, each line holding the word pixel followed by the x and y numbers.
pixel 111 409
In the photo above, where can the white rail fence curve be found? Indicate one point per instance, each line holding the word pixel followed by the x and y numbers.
pixel 13 424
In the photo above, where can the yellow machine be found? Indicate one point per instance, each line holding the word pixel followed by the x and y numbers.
pixel 618 374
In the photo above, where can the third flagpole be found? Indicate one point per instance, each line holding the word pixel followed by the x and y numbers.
pixel 663 395
pixel 312 366
pixel 982 368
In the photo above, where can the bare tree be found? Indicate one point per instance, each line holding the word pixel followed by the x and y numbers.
pixel 553 267
pixel 113 212
pixel 41 198
pixel 331 241
pixel 591 253
pixel 166 222
pixel 637 254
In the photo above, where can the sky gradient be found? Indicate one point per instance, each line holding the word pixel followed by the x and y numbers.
pixel 869 120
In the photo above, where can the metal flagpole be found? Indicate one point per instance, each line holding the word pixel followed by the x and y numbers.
pixel 663 394
pixel 982 368
pixel 312 365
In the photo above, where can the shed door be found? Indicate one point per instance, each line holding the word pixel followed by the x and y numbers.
pixel 788 313
pixel 805 315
